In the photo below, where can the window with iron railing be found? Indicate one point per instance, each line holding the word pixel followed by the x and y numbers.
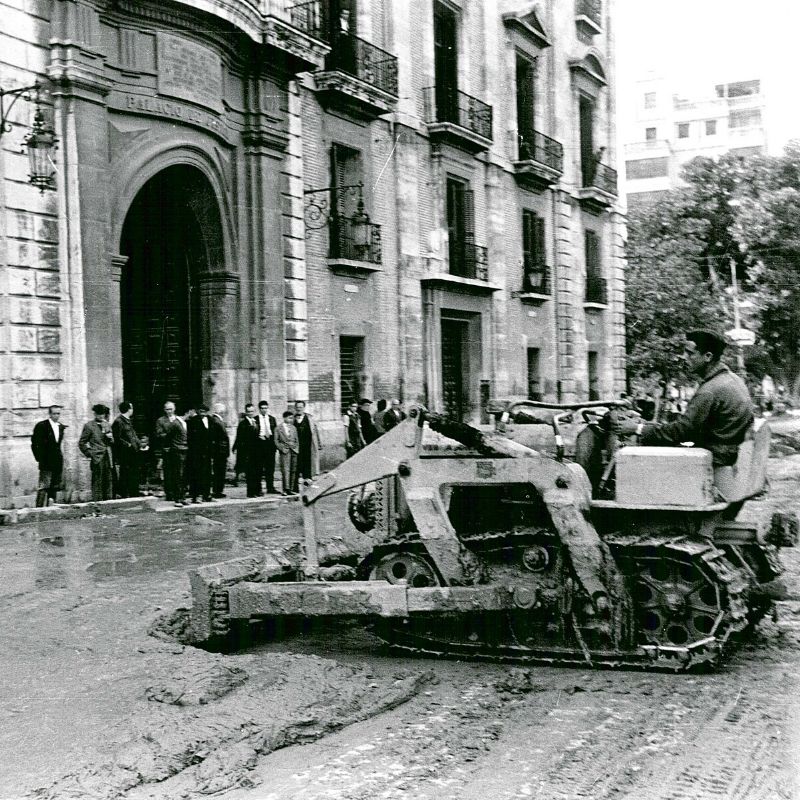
pixel 459 109
pixel 352 236
pixel 535 146
pixel 466 259
pixel 364 61
pixel 309 17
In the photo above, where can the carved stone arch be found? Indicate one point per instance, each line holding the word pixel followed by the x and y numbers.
pixel 153 156
pixel 589 73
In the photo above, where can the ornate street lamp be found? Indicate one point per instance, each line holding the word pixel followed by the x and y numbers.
pixel 40 142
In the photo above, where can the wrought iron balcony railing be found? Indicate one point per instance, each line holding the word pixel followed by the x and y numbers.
pixel 596 289
pixel 355 240
pixel 592 9
pixel 536 279
pixel 600 177
pixel 469 260
pixel 364 61
pixel 535 146
pixel 443 104
pixel 309 17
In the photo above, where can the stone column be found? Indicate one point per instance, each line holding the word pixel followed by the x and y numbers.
pixel 219 307
pixel 118 263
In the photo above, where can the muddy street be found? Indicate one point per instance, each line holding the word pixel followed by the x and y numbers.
pixel 101 698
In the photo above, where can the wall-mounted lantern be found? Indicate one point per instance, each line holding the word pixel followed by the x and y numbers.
pixel 40 142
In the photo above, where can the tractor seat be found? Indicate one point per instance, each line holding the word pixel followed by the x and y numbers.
pixel 748 476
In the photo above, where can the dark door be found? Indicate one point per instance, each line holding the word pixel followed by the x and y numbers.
pixel 445 62
pixel 586 108
pixel 161 323
pixel 455 372
pixel 594 375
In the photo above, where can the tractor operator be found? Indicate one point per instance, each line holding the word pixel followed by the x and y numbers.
pixel 719 415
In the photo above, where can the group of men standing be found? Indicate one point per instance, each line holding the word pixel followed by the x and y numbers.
pixel 260 437
pixel 194 448
pixel 362 427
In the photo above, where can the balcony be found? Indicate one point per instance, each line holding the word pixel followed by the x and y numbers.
pixel 358 77
pixel 589 17
pixel 536 286
pixel 355 245
pixel 596 295
pixel 599 190
pixel 540 160
pixel 458 119
pixel 297 30
pixel 468 270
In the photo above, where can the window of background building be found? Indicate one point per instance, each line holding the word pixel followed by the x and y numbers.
pixel 534 258
pixel 744 118
pixel 351 368
pixel 711 127
pixel 683 130
pixel 649 99
pixel 647 168
pixel 534 374
pixel 650 134
pixel 744 88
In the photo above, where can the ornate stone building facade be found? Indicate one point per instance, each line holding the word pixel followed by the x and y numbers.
pixel 307 200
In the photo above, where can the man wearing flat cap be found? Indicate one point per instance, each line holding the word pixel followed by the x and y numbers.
pixel 719 415
pixel 95 443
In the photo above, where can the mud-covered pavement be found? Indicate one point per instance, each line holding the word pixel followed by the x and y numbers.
pixel 99 699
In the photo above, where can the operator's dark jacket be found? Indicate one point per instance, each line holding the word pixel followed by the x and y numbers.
pixel 717 418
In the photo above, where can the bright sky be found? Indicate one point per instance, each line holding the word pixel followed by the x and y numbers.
pixel 699 43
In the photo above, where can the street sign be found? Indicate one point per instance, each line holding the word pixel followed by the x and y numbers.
pixel 741 336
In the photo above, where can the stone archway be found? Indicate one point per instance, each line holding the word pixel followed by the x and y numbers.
pixel 173 249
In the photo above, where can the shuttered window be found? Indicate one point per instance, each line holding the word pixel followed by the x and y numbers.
pixel 534 253
pixel 460 225
pixel 351 367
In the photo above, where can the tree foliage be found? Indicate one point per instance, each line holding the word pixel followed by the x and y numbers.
pixel 737 215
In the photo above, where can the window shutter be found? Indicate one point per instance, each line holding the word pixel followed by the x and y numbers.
pixel 528 244
pixel 469 214
pixel 539 245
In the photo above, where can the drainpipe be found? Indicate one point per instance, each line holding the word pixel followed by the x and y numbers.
pixel 554 192
pixel 401 381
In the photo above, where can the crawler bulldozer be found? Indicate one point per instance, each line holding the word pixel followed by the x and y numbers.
pixel 484 548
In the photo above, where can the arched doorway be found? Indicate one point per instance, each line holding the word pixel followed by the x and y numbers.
pixel 172 236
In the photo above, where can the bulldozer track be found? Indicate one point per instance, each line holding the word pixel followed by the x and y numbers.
pixel 655 556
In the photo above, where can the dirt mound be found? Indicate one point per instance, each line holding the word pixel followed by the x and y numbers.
pixel 173 626
pixel 205 734
pixel 198 687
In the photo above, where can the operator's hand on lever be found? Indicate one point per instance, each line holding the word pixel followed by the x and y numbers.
pixel 628 425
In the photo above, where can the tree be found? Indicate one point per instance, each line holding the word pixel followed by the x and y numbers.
pixel 666 292
pixel 735 211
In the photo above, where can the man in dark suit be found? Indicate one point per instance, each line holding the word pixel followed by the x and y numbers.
pixel 200 439
pixel 220 449
pixel 126 452
pixel 46 441
pixel 244 446
pixel 172 442
pixel 368 429
pixel 265 447
pixel 394 415
pixel 95 443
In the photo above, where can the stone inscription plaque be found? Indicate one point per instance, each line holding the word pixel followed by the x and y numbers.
pixel 189 71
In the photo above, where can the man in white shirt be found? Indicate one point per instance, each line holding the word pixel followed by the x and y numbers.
pixel 265 448
pixel 46 441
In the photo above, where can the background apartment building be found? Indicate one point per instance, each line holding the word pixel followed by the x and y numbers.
pixel 308 200
pixel 663 130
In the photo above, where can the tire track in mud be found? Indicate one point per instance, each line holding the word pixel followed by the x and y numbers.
pixel 195 736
